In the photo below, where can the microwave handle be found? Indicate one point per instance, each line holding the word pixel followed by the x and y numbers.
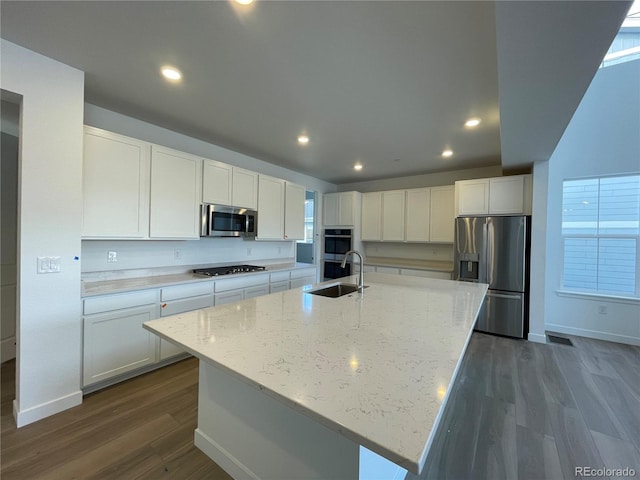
pixel 204 220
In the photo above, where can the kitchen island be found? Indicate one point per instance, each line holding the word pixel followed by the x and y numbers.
pixel 292 384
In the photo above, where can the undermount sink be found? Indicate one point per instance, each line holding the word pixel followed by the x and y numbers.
pixel 336 290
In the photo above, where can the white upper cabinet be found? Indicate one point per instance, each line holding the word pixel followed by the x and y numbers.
pixel 339 209
pixel 271 194
pixel 223 184
pixel 418 214
pixel 115 181
pixel 393 215
pixel 371 216
pixel 216 182
pixel 244 190
pixel 472 197
pixel 509 195
pixel 442 214
pixel 176 180
pixel 294 211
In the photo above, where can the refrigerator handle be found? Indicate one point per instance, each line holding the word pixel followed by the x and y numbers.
pixel 485 253
pixel 502 295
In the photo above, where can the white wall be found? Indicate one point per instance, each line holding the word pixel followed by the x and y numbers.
pixel 50 201
pixel 424 180
pixel 602 139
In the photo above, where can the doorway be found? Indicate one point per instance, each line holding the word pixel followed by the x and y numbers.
pixel 305 249
pixel 10 130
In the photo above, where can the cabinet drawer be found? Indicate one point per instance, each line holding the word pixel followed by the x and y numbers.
pixel 279 276
pixel 107 303
pixel 241 282
pixel 303 272
pixel 279 286
pixel 301 282
pixel 229 297
pixel 186 305
pixel 186 291
pixel 258 291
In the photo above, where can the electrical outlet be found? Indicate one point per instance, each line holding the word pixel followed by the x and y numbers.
pixel 177 254
pixel 49 265
pixel 112 257
pixel 602 309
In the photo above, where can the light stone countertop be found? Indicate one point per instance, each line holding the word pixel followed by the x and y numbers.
pixel 119 282
pixel 375 367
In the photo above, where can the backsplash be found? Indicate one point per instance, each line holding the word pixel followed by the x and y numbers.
pixel 414 251
pixel 131 254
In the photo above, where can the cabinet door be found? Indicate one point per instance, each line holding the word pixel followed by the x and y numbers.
pixel 442 214
pixel 393 215
pixel 302 282
pixel 257 291
pixel 473 197
pixel 115 343
pixel 216 183
pixel 371 216
pixel 330 209
pixel 115 186
pixel 175 194
pixel 279 286
pixel 231 296
pixel 418 216
pixel 506 195
pixel 245 189
pixel 294 212
pixel 270 208
pixel 346 208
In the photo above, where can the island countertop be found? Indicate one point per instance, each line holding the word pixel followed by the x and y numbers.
pixel 375 367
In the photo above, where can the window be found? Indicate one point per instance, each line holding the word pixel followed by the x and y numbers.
pixel 601 233
pixel 308 221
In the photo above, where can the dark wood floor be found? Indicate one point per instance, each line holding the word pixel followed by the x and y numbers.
pixel 519 410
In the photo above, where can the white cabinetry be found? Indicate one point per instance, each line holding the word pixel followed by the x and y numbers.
pixel 216 182
pixel 339 209
pixel 114 340
pixel 509 195
pixel 418 210
pixel 294 211
pixel 393 215
pixel 115 183
pixel 240 288
pixel 244 191
pixel 279 281
pixel 223 184
pixel 175 194
pixel 442 216
pixel 371 216
pixel 271 193
pixel 303 276
pixel 179 299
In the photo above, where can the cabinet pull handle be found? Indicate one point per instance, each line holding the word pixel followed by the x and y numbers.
pixel 164 305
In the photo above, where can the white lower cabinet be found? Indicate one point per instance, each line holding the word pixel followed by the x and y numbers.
pixel 240 288
pixel 279 286
pixel 303 276
pixel 229 297
pixel 114 340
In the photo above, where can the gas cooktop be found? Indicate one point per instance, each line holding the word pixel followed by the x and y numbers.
pixel 216 271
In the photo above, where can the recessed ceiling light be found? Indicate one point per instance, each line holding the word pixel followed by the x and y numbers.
pixel 472 122
pixel 357 166
pixel 244 2
pixel 447 153
pixel 171 73
pixel 303 139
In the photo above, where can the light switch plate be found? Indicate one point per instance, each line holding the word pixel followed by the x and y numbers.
pixel 112 256
pixel 49 265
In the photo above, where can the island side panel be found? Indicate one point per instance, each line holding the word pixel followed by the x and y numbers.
pixel 253 436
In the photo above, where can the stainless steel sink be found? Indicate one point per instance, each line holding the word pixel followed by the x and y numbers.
pixel 336 290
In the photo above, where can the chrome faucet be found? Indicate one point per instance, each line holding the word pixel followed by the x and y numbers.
pixel 361 274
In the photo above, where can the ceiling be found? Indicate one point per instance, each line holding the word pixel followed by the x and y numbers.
pixel 385 84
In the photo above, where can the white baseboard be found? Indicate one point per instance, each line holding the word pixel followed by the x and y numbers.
pixel 224 459
pixel 537 338
pixel 33 414
pixel 581 332
pixel 7 349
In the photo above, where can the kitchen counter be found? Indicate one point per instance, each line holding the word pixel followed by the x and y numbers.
pixel 434 265
pixel 118 282
pixel 371 369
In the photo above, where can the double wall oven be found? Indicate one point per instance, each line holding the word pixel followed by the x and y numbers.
pixel 337 242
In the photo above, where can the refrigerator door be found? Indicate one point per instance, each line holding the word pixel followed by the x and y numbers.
pixel 506 253
pixel 502 313
pixel 469 250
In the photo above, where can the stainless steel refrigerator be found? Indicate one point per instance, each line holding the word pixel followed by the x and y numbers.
pixel 495 250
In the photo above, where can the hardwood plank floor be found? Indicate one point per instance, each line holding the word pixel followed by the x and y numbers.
pixel 519 410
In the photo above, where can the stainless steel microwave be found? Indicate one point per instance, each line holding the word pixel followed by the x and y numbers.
pixel 223 221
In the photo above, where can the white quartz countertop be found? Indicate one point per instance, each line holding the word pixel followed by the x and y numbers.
pixel 375 367
pixel 118 282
